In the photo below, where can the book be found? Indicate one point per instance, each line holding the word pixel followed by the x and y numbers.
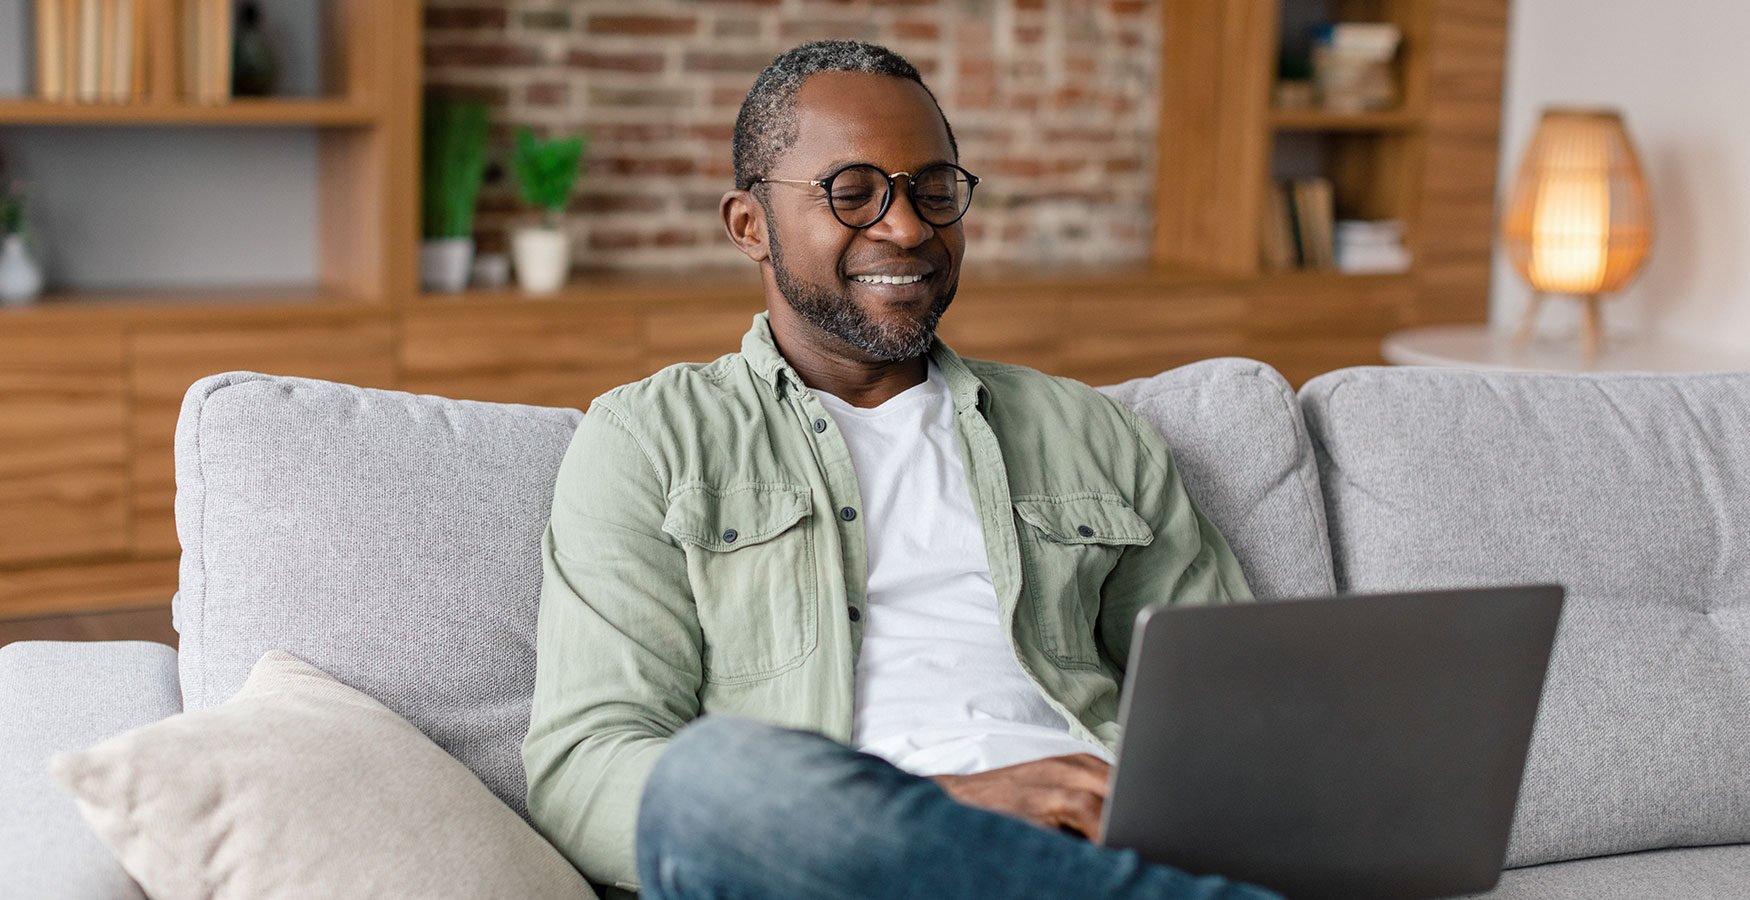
pixel 1314 218
pixel 1371 247
pixel 107 50
pixel 69 48
pixel 88 86
pixel 207 50
pixel 1276 232
pixel 188 13
pixel 133 64
pixel 221 38
pixel 50 69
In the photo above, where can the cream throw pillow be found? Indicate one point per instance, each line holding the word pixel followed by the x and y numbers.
pixel 303 787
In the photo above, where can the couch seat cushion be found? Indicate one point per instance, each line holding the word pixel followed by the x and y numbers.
pixel 1695 873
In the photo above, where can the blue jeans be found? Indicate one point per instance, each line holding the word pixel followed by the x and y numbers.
pixel 741 809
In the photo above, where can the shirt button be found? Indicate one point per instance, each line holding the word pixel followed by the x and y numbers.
pixel 856 614
pixel 730 536
pixel 1084 531
pixel 848 514
pixel 819 426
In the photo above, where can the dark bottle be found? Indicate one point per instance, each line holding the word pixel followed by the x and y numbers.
pixel 254 72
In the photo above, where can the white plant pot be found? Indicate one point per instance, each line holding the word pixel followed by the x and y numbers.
pixel 542 257
pixel 21 279
pixel 444 263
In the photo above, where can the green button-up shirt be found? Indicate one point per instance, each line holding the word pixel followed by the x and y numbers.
pixel 705 555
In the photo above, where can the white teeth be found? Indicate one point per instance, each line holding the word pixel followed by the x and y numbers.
pixel 888 279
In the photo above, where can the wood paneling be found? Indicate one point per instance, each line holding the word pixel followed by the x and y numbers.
pixel 149 624
pixel 63 446
pixel 540 353
pixel 43 590
pixel 695 330
pixel 1218 63
pixel 165 363
pixel 1003 323
pixel 1112 336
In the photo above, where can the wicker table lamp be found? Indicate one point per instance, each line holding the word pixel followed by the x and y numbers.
pixel 1578 221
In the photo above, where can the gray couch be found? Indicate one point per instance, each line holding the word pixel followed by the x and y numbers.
pixel 391 539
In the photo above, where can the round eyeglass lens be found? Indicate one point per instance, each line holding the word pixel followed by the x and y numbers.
pixel 858 195
pixel 941 194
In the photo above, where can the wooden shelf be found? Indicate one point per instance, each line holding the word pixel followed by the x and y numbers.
pixel 1322 120
pixel 263 111
pixel 169 305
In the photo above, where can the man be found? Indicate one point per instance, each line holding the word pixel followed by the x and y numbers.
pixel 846 538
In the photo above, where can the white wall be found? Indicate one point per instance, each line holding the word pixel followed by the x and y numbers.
pixel 1677 72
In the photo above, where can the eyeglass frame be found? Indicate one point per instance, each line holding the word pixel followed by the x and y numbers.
pixel 887 198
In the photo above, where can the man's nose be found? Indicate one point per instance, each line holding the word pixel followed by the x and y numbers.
pixel 902 225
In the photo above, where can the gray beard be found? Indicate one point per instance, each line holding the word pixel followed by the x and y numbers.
pixel 838 314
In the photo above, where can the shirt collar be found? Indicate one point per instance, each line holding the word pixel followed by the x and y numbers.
pixel 760 352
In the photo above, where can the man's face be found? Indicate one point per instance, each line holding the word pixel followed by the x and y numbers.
pixel 891 123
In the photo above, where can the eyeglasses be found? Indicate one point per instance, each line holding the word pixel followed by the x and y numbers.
pixel 861 194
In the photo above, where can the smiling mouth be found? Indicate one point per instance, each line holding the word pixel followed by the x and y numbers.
pixel 888 279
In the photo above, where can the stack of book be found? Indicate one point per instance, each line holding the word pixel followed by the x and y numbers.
pixel 98 51
pixel 1297 231
pixel 1371 248
pixel 1352 65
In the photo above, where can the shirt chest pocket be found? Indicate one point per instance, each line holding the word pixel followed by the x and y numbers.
pixel 1069 544
pixel 750 560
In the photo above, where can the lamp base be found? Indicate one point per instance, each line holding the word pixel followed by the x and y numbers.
pixel 1591 322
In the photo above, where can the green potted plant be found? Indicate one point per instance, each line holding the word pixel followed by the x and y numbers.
pixel 546 172
pixel 21 280
pixel 453 162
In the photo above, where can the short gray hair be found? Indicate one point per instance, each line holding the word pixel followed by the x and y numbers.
pixel 766 125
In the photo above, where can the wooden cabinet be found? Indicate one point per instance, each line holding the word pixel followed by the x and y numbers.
pixel 63 446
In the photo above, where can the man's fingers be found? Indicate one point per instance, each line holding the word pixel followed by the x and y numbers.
pixel 1076 810
pixel 1082 771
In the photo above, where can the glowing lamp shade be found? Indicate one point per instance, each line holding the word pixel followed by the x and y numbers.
pixel 1578 221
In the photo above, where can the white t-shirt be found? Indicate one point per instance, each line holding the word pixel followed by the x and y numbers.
pixel 939 690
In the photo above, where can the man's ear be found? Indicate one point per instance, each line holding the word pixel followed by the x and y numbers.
pixel 744 218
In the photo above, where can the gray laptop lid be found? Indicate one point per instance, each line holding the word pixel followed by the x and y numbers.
pixel 1356 747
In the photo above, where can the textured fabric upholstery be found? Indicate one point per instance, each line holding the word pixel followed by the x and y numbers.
pixel 1237 436
pixel 1634 492
pixel 1696 873
pixel 390 539
pixel 57 696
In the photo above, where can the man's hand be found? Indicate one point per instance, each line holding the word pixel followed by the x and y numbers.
pixel 1063 792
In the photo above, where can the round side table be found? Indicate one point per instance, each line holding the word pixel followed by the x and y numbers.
pixel 1479 347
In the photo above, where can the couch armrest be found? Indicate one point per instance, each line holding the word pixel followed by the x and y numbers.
pixel 57 696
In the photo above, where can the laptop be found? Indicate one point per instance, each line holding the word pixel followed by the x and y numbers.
pixel 1366 746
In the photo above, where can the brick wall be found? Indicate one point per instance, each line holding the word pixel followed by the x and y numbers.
pixel 1053 103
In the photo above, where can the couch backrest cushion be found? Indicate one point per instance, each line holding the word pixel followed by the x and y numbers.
pixel 1242 449
pixel 1631 490
pixel 389 538
pixel 393 539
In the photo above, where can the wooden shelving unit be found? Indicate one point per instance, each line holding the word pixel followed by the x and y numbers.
pixel 1429 163
pixel 90 383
